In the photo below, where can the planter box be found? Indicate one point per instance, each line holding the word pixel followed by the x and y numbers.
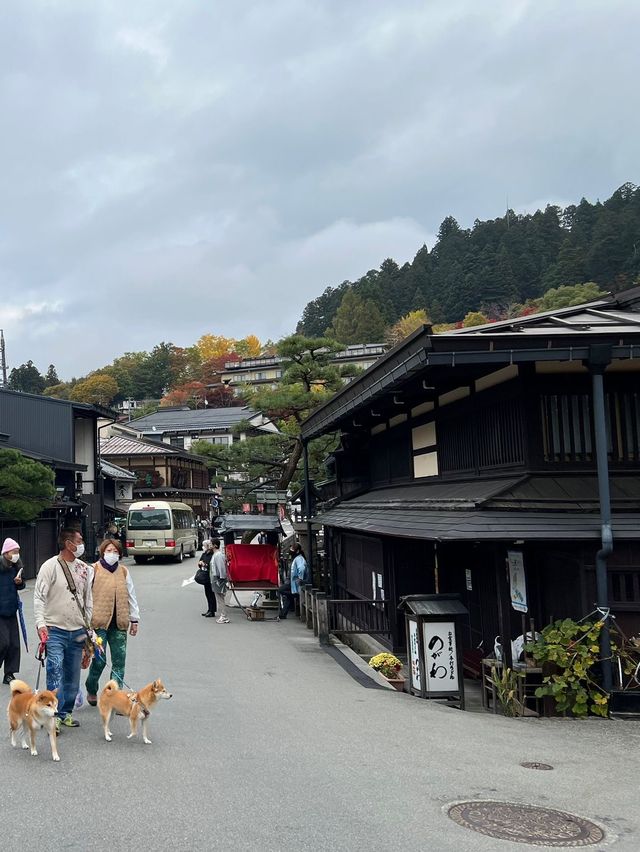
pixel 254 613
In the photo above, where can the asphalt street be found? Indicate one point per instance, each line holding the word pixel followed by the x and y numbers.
pixel 269 744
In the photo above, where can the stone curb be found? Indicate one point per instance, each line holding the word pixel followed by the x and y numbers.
pixel 357 660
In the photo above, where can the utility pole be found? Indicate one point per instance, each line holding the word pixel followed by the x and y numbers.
pixel 3 360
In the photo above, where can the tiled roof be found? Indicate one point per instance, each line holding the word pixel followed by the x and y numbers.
pixel 119 446
pixel 479 525
pixel 196 419
pixel 114 471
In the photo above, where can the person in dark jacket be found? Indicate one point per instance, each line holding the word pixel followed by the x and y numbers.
pixel 205 562
pixel 10 583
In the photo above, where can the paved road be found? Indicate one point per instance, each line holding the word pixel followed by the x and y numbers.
pixel 268 744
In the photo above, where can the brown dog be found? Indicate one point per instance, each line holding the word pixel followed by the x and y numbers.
pixel 31 711
pixel 135 705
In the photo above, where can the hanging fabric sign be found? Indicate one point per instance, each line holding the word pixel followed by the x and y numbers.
pixel 517 580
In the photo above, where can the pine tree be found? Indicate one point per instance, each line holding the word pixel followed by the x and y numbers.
pixel 51 376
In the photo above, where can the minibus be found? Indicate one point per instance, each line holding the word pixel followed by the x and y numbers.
pixel 159 528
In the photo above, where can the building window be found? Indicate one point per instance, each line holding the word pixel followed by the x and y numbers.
pixel 624 588
pixel 567 427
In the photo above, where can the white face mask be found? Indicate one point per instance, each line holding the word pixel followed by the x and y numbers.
pixel 111 558
pixel 79 551
pixel 15 557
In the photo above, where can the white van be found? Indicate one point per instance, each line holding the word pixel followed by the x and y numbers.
pixel 160 528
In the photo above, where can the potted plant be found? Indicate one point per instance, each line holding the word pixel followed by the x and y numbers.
pixel 390 668
pixel 569 651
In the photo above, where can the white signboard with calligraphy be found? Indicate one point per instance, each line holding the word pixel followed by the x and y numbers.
pixel 517 580
pixel 414 655
pixel 440 657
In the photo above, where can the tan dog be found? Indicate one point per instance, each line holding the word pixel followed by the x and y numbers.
pixel 135 705
pixel 31 711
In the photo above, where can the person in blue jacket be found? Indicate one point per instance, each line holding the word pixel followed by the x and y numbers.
pixel 297 577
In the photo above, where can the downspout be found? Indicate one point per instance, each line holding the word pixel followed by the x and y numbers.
pixel 307 500
pixel 599 358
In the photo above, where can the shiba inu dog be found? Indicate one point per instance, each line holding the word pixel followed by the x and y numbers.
pixel 31 711
pixel 135 705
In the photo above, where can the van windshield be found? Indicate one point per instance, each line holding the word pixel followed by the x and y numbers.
pixel 149 519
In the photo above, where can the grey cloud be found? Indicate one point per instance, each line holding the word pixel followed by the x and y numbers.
pixel 195 167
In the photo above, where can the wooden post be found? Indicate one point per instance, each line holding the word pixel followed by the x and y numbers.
pixel 303 603
pixel 322 604
pixel 308 610
pixel 314 610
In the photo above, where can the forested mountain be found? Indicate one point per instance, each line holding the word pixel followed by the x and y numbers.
pixel 500 262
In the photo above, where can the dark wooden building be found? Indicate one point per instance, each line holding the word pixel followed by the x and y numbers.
pixel 461 450
pixel 63 435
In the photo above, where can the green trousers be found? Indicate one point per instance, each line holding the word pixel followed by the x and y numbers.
pixel 117 642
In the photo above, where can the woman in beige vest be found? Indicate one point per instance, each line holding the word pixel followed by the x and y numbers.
pixel 115 609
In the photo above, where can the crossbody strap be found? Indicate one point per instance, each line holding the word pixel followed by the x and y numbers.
pixel 74 591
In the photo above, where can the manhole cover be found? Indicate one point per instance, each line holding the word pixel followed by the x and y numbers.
pixel 526 824
pixel 532 764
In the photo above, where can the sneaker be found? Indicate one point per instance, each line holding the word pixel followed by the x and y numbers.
pixel 70 722
pixel 223 620
pixel 92 699
pixel 58 723
pixel 8 678
pixel 209 614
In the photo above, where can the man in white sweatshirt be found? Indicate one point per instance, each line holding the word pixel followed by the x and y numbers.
pixel 60 623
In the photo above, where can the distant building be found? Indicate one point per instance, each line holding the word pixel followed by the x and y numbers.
pixel 268 369
pixel 180 427
pixel 132 406
pixel 160 471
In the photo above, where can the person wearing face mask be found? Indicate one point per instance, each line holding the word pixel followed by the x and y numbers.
pixel 62 617
pixel 10 583
pixel 115 609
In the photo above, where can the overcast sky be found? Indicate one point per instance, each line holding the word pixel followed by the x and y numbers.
pixel 174 167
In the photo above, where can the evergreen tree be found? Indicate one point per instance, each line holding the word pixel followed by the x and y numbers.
pixel 358 320
pixel 26 487
pixel 27 378
pixel 308 380
pixel 51 376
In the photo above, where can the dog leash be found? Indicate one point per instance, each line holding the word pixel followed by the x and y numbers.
pixel 40 657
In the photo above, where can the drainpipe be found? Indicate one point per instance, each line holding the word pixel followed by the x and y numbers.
pixel 599 358
pixel 307 500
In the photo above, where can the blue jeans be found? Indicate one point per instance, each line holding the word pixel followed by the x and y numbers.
pixel 64 655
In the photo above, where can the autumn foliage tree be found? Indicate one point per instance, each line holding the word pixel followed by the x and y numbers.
pixel 98 389
pixel 406 325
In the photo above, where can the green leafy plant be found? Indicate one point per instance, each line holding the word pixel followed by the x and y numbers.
pixel 573 649
pixel 386 664
pixel 505 681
